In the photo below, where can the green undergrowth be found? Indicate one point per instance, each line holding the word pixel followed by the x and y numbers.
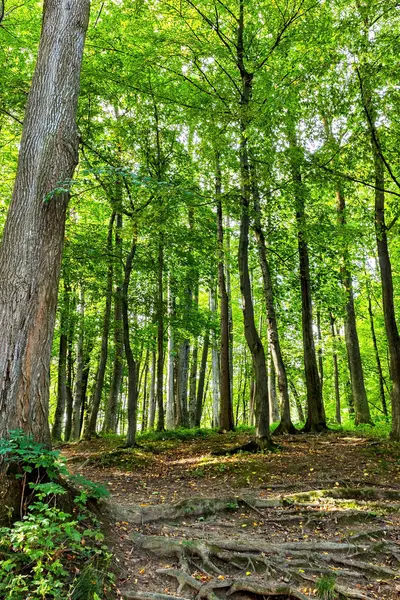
pixel 55 550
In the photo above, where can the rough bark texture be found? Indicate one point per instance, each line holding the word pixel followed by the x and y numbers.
pixel 31 248
pixel 193 384
pixel 225 402
pixel 183 376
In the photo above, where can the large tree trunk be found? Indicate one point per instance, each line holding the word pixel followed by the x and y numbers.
pixel 361 407
pixel 101 371
pixel 316 414
pixel 31 248
pixel 182 380
pixel 202 377
pixel 111 413
pixel 226 422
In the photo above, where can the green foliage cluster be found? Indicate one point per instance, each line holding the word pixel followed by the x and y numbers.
pixel 49 552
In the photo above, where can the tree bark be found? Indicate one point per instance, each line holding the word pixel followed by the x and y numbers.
pixel 76 411
pixel 273 398
pixel 285 425
pixel 131 362
pixel 145 393
pixel 361 407
pixel 32 242
pixel 202 377
pixel 183 376
pixel 101 371
pixel 62 367
pixel 152 397
pixel 160 341
pixel 335 370
pixel 376 351
pixel 70 363
pixel 316 414
pixel 170 412
pixel 215 364
pixel 226 422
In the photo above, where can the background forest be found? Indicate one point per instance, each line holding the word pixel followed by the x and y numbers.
pixel 199 260
pixel 198 120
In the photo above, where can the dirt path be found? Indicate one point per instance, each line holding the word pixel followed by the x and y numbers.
pixel 319 517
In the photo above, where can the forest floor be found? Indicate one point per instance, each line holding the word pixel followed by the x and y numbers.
pixel 319 518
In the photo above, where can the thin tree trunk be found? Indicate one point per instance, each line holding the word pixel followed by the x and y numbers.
pixel 226 422
pixel 131 362
pixel 90 430
pixel 170 412
pixel 299 407
pixel 145 384
pixel 376 351
pixel 215 363
pixel 152 398
pixel 335 370
pixel 263 434
pixel 110 417
pixel 202 376
pixel 62 367
pixel 77 406
pixel 32 241
pixel 193 384
pixel 320 353
pixel 160 341
pixel 85 382
pixel 183 377
pixel 285 425
pixel 361 407
pixel 228 291
pixel 273 399
pixel 316 420
pixel 70 363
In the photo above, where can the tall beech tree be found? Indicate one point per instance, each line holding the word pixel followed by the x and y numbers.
pixel 32 242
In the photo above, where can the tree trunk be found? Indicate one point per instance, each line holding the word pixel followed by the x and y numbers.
pixel 193 384
pixel 320 353
pixel 202 377
pixel 131 362
pixel 170 416
pixel 299 407
pixel 160 341
pixel 316 414
pixel 32 242
pixel 183 376
pixel 361 407
pixel 285 425
pixel 77 406
pixel 215 363
pixel 101 371
pixel 335 370
pixel 62 367
pixel 111 413
pixel 226 422
pixel 228 291
pixel 152 397
pixel 70 363
pixel 145 395
pixel 273 399
pixel 85 382
pixel 263 434
pixel 376 351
